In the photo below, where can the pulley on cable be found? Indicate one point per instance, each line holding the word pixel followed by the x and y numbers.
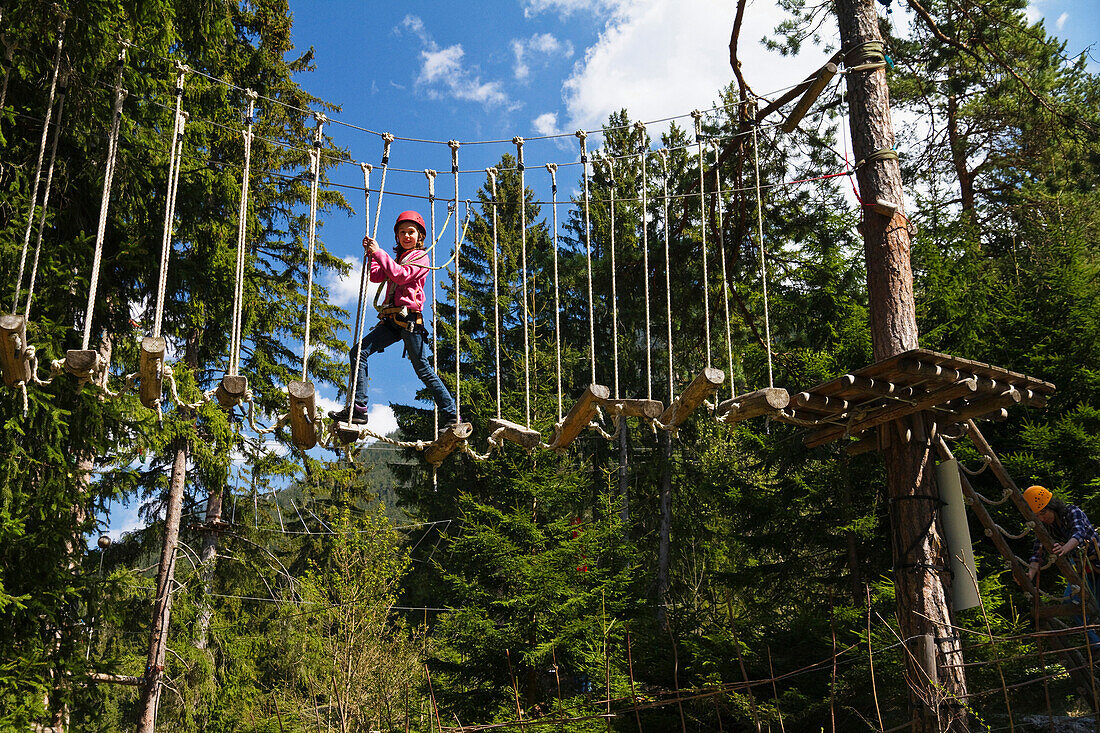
pixel 303 395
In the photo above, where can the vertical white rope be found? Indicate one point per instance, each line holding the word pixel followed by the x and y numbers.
pixel 725 278
pixel 108 179
pixel 387 140
pixel 46 197
pixel 553 168
pixel 315 179
pixel 668 275
pixel 174 162
pixel 9 50
pixel 430 175
pixel 763 268
pixel 454 144
pixel 523 274
pixel 582 136
pixel 610 162
pixel 242 238
pixel 640 127
pixel 697 115
pixel 38 166
pixel 492 173
pixel 360 307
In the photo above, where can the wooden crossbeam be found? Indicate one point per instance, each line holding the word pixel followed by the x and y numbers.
pixel 522 436
pixel 813 91
pixel 448 441
pixel 650 409
pixel 13 350
pixel 982 406
pixel 151 369
pixel 703 386
pixel 765 401
pixel 892 412
pixel 231 390
pixel 815 401
pixel 878 387
pixel 303 414
pixel 582 413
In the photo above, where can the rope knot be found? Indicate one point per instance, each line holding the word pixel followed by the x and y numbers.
pixel 387 138
pixel 492 173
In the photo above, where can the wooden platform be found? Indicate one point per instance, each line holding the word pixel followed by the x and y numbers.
pixel 951 388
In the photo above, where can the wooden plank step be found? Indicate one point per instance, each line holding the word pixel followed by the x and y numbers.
pixel 231 390
pixel 578 418
pixel 448 440
pixel 765 401
pixel 703 386
pixel 522 436
pixel 79 362
pixel 650 409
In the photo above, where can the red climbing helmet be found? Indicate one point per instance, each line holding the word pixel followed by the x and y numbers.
pixel 413 217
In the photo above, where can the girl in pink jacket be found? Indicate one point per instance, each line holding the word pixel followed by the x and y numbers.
pixel 400 318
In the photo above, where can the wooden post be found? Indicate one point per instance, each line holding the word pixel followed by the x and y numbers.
pixel 651 409
pixel 765 401
pixel 231 390
pixel 303 414
pixel 824 75
pixel 703 386
pixel 518 434
pixel 578 418
pixel 447 442
pixel 13 351
pixel 151 368
pixel 920 575
pixel 162 604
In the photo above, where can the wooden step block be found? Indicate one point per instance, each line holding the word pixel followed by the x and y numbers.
pixel 346 433
pixel 13 350
pixel 448 440
pixel 303 414
pixel 523 437
pixel 231 391
pixel 79 362
pixel 580 416
pixel 151 368
pixel 703 386
pixel 754 404
pixel 650 409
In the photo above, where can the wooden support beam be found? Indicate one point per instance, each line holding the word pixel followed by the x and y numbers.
pixel 892 412
pixel 813 91
pixel 13 351
pixel 753 404
pixel 878 387
pixel 151 369
pixel 578 418
pixel 981 406
pixel 231 390
pixel 815 401
pixel 115 679
pixel 448 440
pixel 931 371
pixel 866 444
pixel 522 436
pixel 650 409
pixel 790 95
pixel 703 386
pixel 303 414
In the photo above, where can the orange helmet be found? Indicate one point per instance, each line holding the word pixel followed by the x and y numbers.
pixel 1037 497
pixel 414 218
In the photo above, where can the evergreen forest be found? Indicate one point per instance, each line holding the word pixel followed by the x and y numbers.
pixel 715 577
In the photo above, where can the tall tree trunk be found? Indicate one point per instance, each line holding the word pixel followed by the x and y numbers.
pixel 958 159
pixel 665 530
pixel 208 558
pixel 919 557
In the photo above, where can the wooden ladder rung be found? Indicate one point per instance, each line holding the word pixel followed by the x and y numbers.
pixel 703 386
pixel 522 436
pixel 650 409
pixel 765 401
pixel 231 390
pixel 582 413
pixel 448 440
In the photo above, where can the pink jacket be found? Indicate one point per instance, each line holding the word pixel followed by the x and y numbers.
pixel 404 280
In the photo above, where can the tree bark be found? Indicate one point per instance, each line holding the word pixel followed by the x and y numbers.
pixel 920 575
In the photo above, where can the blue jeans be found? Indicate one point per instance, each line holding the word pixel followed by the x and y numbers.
pixel 416 347
pixel 1075 599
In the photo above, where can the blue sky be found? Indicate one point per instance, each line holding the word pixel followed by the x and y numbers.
pixel 477 71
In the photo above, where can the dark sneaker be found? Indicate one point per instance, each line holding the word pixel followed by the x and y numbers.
pixel 358 415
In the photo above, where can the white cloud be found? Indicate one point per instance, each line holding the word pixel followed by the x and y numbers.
pixel 343 290
pixel 540 44
pixel 1033 13
pixel 1061 22
pixel 565 8
pixel 444 74
pixel 657 57
pixel 546 124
